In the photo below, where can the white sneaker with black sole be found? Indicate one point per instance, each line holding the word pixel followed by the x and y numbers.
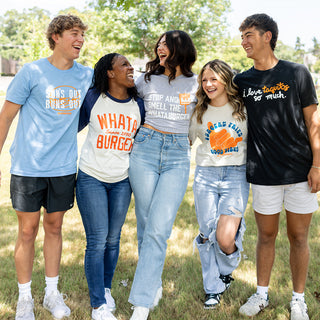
pixel 212 300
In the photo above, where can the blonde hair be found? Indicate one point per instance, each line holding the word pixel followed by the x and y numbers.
pixel 224 71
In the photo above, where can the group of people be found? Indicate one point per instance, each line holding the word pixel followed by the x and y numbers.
pixel 259 127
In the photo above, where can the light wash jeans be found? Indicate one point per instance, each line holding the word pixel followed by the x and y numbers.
pixel 159 174
pixel 103 208
pixel 217 191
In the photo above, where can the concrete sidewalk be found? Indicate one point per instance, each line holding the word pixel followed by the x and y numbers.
pixel 4 82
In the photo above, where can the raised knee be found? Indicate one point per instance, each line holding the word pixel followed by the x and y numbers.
pixel 226 246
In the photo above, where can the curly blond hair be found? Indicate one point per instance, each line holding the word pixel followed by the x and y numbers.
pixel 62 23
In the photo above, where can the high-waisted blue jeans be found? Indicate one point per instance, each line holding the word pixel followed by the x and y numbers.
pixel 159 173
pixel 103 208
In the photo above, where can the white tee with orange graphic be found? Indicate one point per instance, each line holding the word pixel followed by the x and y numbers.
pixel 223 137
pixel 112 125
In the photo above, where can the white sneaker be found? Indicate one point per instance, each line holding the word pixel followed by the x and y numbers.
pixel 102 313
pixel 111 305
pixel 25 308
pixel 140 313
pixel 254 305
pixel 299 310
pixel 54 302
pixel 157 298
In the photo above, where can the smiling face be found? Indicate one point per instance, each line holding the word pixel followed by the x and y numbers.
pixel 214 88
pixel 163 51
pixel 69 43
pixel 255 43
pixel 122 72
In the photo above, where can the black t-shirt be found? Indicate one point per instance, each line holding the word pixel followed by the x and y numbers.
pixel 279 150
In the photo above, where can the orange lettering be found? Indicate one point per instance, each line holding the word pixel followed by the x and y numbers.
pixel 122 122
pixel 103 121
pixel 113 120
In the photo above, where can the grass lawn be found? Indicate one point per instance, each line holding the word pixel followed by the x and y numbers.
pixel 183 293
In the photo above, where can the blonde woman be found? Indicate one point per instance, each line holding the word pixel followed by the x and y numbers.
pixel 220 187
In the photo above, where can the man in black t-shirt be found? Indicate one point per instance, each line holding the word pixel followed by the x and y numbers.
pixel 283 161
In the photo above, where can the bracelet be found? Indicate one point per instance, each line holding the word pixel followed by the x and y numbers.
pixel 315 167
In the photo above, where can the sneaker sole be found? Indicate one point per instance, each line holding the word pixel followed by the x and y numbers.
pixel 210 307
pixel 65 316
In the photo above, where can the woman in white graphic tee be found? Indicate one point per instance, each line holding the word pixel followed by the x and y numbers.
pixel 220 186
pixel 113 114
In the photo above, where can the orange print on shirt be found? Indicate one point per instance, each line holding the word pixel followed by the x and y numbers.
pixel 223 140
pixel 185 100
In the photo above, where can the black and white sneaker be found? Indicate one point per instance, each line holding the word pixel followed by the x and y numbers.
pixel 227 279
pixel 212 300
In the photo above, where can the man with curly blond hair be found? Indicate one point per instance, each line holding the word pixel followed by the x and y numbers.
pixel 48 93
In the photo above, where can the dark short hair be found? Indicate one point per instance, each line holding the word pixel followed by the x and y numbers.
pixel 62 23
pixel 100 75
pixel 182 53
pixel 263 23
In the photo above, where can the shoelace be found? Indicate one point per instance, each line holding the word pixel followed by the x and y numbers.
pixel 299 306
pixel 226 278
pixel 215 296
pixel 56 298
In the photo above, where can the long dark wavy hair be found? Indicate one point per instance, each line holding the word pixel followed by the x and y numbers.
pixel 100 76
pixel 182 53
pixel 224 71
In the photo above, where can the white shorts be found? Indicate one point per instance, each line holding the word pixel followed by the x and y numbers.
pixel 296 198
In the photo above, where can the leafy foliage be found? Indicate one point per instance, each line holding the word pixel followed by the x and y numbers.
pixel 204 20
pixel 133 27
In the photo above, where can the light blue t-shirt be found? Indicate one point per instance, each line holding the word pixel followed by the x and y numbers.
pixel 45 143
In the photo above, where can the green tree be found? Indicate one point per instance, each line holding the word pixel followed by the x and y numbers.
pixel 316 48
pixel 285 52
pixel 20 30
pixel 234 55
pixel 204 21
pixel 300 51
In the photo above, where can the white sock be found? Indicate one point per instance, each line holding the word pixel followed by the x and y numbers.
pixel 25 289
pixel 298 296
pixel 51 284
pixel 263 291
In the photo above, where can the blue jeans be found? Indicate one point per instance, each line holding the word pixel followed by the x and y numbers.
pixel 159 173
pixel 103 208
pixel 219 191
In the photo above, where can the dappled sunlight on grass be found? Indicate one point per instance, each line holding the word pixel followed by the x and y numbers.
pixel 183 293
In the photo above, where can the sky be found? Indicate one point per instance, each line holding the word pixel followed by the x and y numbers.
pixel 294 17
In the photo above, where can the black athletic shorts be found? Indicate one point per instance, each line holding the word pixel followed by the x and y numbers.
pixel 29 194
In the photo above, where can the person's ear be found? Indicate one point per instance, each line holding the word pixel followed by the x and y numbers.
pixel 55 37
pixel 268 36
pixel 110 73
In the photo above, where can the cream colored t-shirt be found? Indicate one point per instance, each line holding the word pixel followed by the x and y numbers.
pixel 223 137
